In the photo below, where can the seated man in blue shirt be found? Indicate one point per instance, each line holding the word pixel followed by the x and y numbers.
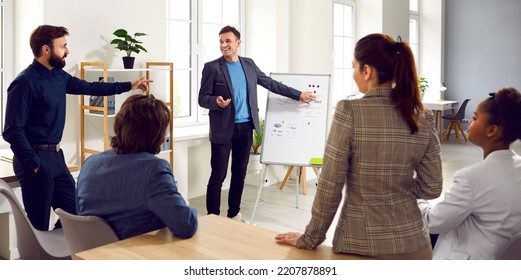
pixel 35 119
pixel 128 186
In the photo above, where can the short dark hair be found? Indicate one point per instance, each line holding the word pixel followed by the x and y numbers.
pixel 232 29
pixel 44 35
pixel 140 125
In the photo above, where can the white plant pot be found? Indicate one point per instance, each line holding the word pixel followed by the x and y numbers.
pixel 254 163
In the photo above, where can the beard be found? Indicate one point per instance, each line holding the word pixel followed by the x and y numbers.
pixel 56 61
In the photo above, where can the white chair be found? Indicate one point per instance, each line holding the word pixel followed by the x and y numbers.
pixel 34 244
pixel 85 232
pixel 511 251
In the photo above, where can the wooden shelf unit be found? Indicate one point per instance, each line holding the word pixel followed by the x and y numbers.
pixel 102 68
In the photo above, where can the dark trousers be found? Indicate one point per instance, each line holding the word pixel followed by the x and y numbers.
pixel 434 238
pixel 239 146
pixel 51 187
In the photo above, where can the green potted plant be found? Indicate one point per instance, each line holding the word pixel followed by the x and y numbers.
pixel 128 44
pixel 254 164
pixel 424 84
pixel 257 139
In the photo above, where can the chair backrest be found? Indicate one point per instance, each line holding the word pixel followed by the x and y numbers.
pixel 461 111
pixel 85 232
pixel 34 244
pixel 511 251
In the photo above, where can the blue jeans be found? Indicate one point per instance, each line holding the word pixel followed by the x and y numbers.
pixel 239 146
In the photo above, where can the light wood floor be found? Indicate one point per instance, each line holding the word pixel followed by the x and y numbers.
pixel 278 211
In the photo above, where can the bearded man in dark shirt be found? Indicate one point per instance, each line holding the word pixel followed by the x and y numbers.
pixel 35 119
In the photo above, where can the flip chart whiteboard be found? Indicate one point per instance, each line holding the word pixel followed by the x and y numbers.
pixel 295 132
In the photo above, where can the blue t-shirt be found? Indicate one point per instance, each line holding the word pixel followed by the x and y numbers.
pixel 240 92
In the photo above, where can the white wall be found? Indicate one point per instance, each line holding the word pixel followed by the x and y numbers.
pixel 482 48
pixel 396 18
pixel 92 22
pixel 383 16
pixel 369 17
pixel 27 15
pixel 90 25
pixel 311 33
pixel 392 17
pixel 260 41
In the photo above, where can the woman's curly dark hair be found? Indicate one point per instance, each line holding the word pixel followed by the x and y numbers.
pixel 504 108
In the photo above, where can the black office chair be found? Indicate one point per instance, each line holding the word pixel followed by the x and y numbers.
pixel 455 123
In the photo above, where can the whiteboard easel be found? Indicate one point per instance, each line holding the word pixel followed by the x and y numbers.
pixel 294 131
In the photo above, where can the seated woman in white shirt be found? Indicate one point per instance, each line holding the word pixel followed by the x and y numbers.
pixel 481 211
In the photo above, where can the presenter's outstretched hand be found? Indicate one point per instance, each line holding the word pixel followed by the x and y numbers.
pixel 223 103
pixel 307 96
pixel 289 238
pixel 141 84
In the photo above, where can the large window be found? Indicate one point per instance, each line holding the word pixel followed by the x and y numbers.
pixel 192 39
pixel 343 47
pixel 414 30
pixel 6 54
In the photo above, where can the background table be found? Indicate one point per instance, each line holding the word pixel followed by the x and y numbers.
pixel 217 238
pixel 7 173
pixel 438 107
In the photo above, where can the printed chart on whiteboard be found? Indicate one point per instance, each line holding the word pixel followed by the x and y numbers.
pixel 296 131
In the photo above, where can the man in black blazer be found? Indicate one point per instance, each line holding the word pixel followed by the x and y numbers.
pixel 229 91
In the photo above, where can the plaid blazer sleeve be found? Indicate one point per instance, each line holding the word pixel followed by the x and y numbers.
pixel 332 178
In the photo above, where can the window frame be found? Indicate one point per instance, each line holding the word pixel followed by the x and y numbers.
pixel 415 46
pixel 6 53
pixel 353 90
pixel 197 115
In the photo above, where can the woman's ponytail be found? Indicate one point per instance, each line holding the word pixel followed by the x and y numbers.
pixel 394 62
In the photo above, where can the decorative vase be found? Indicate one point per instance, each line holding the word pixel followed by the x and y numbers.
pixel 254 163
pixel 128 62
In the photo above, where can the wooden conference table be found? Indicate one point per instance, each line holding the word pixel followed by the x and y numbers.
pixel 438 107
pixel 217 238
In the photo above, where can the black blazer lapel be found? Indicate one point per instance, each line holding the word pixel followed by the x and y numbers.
pixel 224 70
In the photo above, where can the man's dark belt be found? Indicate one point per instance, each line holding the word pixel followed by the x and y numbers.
pixel 47 147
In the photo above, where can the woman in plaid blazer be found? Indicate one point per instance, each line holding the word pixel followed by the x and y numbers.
pixel 384 151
